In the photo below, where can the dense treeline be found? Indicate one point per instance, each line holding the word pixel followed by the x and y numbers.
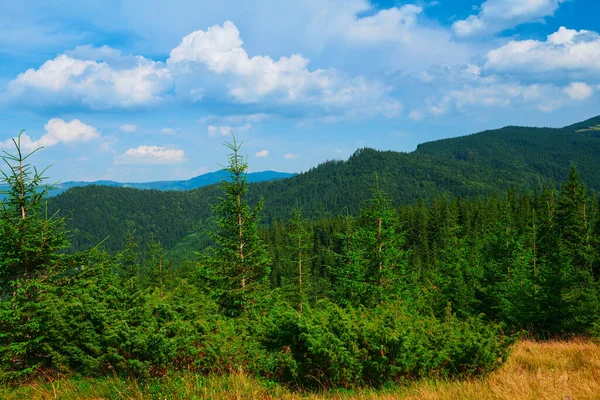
pixel 480 164
pixel 528 260
pixel 437 288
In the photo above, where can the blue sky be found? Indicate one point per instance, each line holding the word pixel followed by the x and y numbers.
pixel 149 90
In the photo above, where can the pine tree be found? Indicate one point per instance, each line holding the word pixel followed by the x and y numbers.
pixel 576 254
pixel 382 246
pixel 596 239
pixel 29 238
pixel 29 243
pixel 240 262
pixel 573 217
pixel 373 259
pixel 456 266
pixel 300 259
pixel 347 286
pixel 550 268
pixel 157 267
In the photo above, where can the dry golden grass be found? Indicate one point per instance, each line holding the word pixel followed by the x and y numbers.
pixel 548 370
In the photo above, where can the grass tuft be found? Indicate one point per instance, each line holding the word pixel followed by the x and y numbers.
pixel 535 370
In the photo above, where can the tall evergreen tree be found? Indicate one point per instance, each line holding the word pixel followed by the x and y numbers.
pixel 240 263
pixel 29 238
pixel 374 255
pixel 575 222
pixel 576 254
pixel 298 248
pixel 29 243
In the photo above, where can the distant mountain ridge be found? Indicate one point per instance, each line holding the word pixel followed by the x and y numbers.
pixel 209 178
pixel 484 163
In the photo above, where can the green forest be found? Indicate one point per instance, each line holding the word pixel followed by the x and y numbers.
pixel 482 164
pixel 410 265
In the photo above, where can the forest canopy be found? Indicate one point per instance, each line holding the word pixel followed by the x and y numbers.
pixel 391 293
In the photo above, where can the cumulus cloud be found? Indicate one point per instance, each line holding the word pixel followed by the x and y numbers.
pixel 498 15
pixel 167 131
pixel 565 50
pixel 67 80
pixel 127 128
pixel 290 156
pixel 207 66
pixel 262 153
pixel 579 90
pixel 469 88
pixel 57 131
pixel 543 97
pixel 398 37
pixel 287 81
pixel 393 24
pixel 151 155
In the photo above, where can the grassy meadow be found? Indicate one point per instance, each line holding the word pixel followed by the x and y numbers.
pixel 535 370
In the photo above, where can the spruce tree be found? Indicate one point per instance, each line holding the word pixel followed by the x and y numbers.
pixel 575 221
pixel 29 238
pixel 549 266
pixel 373 259
pixel 347 286
pixel 576 254
pixel 239 264
pixel 29 245
pixel 299 258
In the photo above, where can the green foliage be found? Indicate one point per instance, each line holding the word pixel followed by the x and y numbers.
pixel 332 347
pixel 438 288
pixel 476 165
pixel 239 263
pixel 374 261
pixel 29 239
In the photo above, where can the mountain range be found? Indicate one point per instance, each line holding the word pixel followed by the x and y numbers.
pixel 193 183
pixel 485 163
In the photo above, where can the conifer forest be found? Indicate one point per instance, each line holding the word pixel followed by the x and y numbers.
pixel 388 288
pixel 300 200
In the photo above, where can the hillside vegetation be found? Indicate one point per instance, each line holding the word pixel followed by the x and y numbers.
pixel 476 165
pixel 392 294
pixel 547 370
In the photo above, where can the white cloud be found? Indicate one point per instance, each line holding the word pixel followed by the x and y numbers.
pixel 398 37
pixel 290 156
pixel 151 155
pixel 498 15
pixel 391 24
pixel 127 128
pixel 565 50
pixel 167 131
pixel 262 153
pixel 542 97
pixel 209 66
pixel 66 80
pixel 226 130
pixel 284 82
pixel 57 131
pixel 579 90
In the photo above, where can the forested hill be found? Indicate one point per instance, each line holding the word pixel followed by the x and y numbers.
pixel 478 164
pixel 547 152
pixel 209 178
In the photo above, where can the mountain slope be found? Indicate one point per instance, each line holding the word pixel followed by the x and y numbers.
pixel 478 164
pixel 193 183
pixel 199 181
